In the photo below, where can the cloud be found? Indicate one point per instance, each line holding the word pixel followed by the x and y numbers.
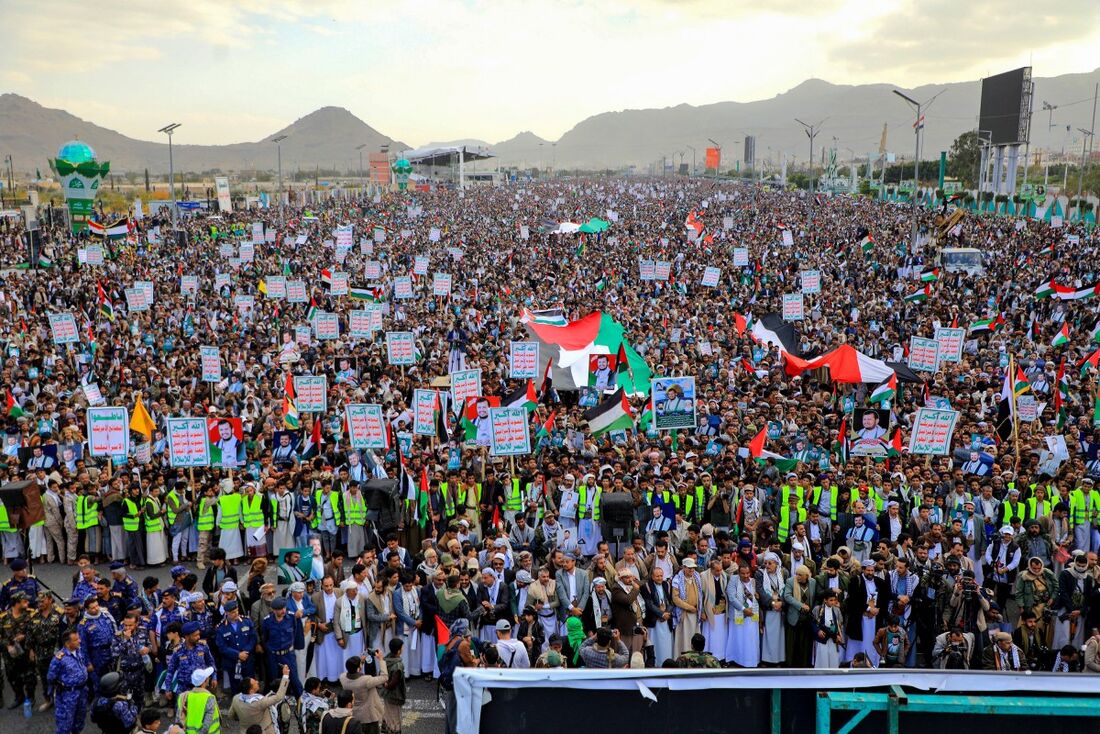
pixel 949 38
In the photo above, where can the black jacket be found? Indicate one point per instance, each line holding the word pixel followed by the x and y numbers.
pixel 856 605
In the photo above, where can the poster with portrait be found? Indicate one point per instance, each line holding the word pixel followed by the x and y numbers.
pixel 226 437
pixel 284 446
pixel 347 371
pixel 870 432
pixel 43 456
pixel 602 371
pixel 478 423
pixel 69 454
pixel 673 403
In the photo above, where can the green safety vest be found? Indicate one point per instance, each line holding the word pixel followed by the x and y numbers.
pixel 356 509
pixel 461 495
pixel 816 500
pixel 155 524
pixel 700 501
pixel 1012 513
pixel 252 513
pixel 230 505
pixel 1033 503
pixel 583 504
pixel 873 498
pixel 131 521
pixel 5 526
pixel 1080 512
pixel 337 515
pixel 785 491
pixel 87 512
pixel 171 503
pixel 785 521
pixel 448 500
pixel 196 712
pixel 206 516
pixel 514 503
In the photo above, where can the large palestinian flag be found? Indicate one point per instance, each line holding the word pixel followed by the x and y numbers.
pixel 566 349
pixel 845 363
pixel 772 329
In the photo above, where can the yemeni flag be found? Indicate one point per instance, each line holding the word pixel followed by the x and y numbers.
pixel 885 391
pixel 313 441
pixel 117 231
pixel 564 350
pixel 930 276
pixel 106 308
pixel 11 407
pixel 326 278
pixel 840 446
pixel 867 244
pixel 613 414
pixel 772 329
pixel 290 406
pixel 1062 337
pixel 442 637
pixel 522 397
pixel 1045 289
pixel 1092 360
pixel 919 296
pixel 1066 293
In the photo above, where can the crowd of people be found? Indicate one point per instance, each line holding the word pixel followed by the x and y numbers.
pixel 801 556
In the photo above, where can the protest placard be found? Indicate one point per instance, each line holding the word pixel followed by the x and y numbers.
pixel 424 406
pixel 296 291
pixel 276 287
pixel 510 433
pixel 923 354
pixel 257 233
pixel 211 361
pixel 811 281
pixel 135 300
pixel 94 254
pixel 420 265
pixel 108 431
pixel 400 348
pixel 673 403
pixel 932 431
pixel 711 276
pixel 63 328
pixel 187 442
pixel 523 360
pixel 741 257
pixel 465 384
pixel 222 280
pixel 311 393
pixel 189 285
pixel 441 285
pixel 663 270
pixel 359 324
pixel 647 269
pixel 366 426
pixel 326 326
pixel 402 287
pixel 147 286
pixel 793 307
pixel 372 270
pixel 339 285
pixel 951 343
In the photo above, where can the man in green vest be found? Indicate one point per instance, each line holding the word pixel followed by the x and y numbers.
pixel 1084 508
pixel 254 518
pixel 789 515
pixel 513 500
pixel 198 709
pixel 87 523
pixel 355 508
pixel 131 526
pixel 229 523
pixel 204 523
pixel 177 509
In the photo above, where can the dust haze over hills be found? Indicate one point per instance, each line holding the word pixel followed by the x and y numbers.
pixel 853 114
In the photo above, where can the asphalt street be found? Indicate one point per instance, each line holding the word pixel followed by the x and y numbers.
pixel 422 713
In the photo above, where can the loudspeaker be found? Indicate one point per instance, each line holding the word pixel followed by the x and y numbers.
pixel 617 509
pixel 181 238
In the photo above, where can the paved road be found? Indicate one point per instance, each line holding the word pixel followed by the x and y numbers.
pixel 423 714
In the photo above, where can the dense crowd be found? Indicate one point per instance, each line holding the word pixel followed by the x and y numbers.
pixel 431 553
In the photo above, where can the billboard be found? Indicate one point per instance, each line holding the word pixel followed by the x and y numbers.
pixel 1004 110
pixel 713 158
pixel 379 168
pixel 750 150
pixel 225 204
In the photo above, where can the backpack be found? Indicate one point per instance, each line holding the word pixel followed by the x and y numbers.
pixel 105 719
pixel 447 665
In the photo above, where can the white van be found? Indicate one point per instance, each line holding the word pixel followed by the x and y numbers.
pixel 961 260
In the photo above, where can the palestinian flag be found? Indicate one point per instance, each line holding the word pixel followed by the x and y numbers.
pixel 361 294
pixel 646 418
pixel 1061 394
pixel 44 262
pixel 1096 409
pixel 986 325
pixel 1096 332
pixel 1092 360
pixel 469 414
pixel 565 350
pixel 313 441
pixel 312 310
pixel 290 406
pixel 613 414
pixel 106 308
pixel 117 231
pixel 919 296
pixel 1062 337
pixel 1066 293
pixel 601 283
pixel 894 448
pixel 840 446
pixel 1048 250
pixel 442 637
pixel 1045 289
pixel 772 329
pixel 885 391
pixel 423 504
pixel 551 316
pixel 1006 411
pixel 930 276
pixel 522 397
pixel 622 362
pixel 1020 385
pixel 11 408
pixel 867 244
pixel 546 427
pixel 741 323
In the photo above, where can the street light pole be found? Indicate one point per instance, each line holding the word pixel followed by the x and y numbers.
pixel 918 125
pixel 715 143
pixel 279 146
pixel 360 149
pixel 692 161
pixel 812 132
pixel 1081 172
pixel 168 130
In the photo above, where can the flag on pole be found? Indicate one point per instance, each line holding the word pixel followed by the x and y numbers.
pixel 613 414
pixel 313 441
pixel 1092 360
pixel 290 406
pixel 840 446
pixel 140 420
pixel 1095 336
pixel 11 407
pixel 930 276
pixel 867 244
pixel 886 390
pixel 919 296
pixel 1062 337
pixel 106 308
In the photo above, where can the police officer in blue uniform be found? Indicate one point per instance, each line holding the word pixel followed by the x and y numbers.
pixel 169 611
pixel 189 657
pixel 114 709
pixel 280 635
pixel 68 678
pixel 97 631
pixel 236 642
pixel 124 586
pixel 198 612
pixel 20 581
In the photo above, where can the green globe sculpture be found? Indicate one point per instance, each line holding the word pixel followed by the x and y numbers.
pixel 80 175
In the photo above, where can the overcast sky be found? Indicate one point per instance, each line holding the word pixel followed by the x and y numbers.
pixel 432 70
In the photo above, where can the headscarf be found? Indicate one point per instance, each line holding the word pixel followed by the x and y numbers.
pixel 574 633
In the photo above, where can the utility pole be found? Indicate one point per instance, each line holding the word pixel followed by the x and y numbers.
pixel 1081 173
pixel 918 125
pixel 279 147
pixel 692 161
pixel 812 132
pixel 168 130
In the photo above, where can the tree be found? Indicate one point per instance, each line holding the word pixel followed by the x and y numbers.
pixel 964 157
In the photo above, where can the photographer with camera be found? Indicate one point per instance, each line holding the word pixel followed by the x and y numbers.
pixel 312 705
pixel 928 603
pixel 1032 642
pixel 953 650
pixel 967 608
pixel 999 564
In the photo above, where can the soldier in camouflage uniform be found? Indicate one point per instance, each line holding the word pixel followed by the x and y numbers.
pixel 696 657
pixel 15 647
pixel 129 648
pixel 45 639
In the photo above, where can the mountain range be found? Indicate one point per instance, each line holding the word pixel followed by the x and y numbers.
pixel 851 116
